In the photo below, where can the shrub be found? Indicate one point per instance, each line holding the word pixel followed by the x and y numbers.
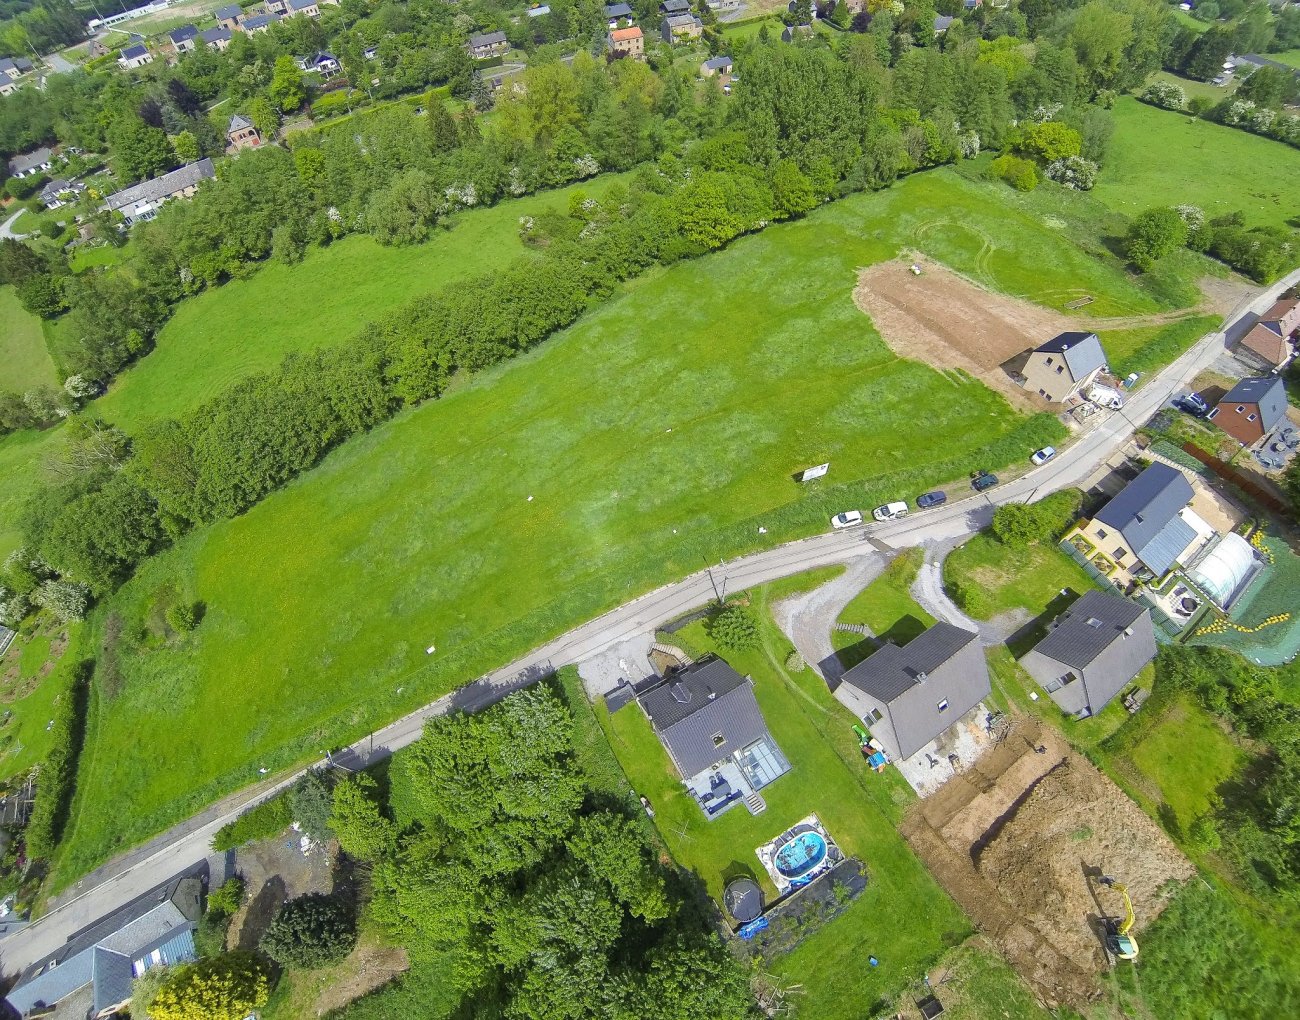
pixel 312 931
pixel 734 628
pixel 1073 172
pixel 183 617
pixel 794 662
pixel 270 818
pixel 1021 174
pixel 59 770
pixel 226 898
pixel 226 987
pixel 312 800
pixel 1166 95
pixel 1153 235
pixel 1019 524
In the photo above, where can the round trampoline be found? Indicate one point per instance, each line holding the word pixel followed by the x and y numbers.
pixel 743 899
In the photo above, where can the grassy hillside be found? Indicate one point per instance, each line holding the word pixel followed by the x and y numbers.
pixel 1158 158
pixel 247 325
pixel 26 362
pixel 20 470
pixel 657 434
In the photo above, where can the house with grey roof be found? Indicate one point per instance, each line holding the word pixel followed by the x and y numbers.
pixel 1148 528
pixel 60 192
pixel 1251 409
pixel 1064 366
pixel 228 16
pixel 681 28
pixel 708 720
pixel 183 39
pixel 307 8
pixel 216 38
pixel 1091 652
pixel 260 22
pixel 616 13
pixel 910 694
pixel 14 68
pixel 488 44
pixel 715 65
pixel 91 974
pixel 142 201
pixel 674 6
pixel 29 164
pixel 135 56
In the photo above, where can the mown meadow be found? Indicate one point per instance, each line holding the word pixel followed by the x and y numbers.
pixel 657 434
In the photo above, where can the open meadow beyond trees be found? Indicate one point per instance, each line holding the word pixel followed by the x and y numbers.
pixel 1159 157
pixel 657 434
pixel 26 362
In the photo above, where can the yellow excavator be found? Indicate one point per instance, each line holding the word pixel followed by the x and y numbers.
pixel 1118 938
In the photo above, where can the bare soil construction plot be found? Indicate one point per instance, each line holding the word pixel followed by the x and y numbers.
pixel 948 322
pixel 1013 840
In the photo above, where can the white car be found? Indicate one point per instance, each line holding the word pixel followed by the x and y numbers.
pixel 848 519
pixel 1044 455
pixel 890 512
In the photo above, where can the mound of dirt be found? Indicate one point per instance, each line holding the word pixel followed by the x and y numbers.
pixel 1073 827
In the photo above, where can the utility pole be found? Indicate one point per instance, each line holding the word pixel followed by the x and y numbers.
pixel 716 593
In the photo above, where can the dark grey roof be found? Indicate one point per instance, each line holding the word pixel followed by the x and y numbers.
pixel 669 6
pixel 1104 640
pixel 717 63
pixel 703 714
pixel 238 123
pixel 942 21
pixel 215 35
pixel 1269 394
pixel 301 5
pixel 261 20
pixel 945 666
pixel 1082 352
pixel 179 35
pixel 131 52
pixel 678 20
pixel 1088 627
pixel 1146 513
pixel 229 11
pixel 487 39
pixel 618 11
pixel 102 954
pixel 162 187
pixel 892 671
pixel 20 64
pixel 29 160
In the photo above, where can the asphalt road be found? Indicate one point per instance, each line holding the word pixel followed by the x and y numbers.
pixel 186 845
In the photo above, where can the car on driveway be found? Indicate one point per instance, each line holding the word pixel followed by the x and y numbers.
pixel 848 519
pixel 1194 404
pixel 929 499
pixel 1042 456
pixel 890 511
pixel 983 481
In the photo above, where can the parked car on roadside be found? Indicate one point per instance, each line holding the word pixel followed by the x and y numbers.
pixel 929 499
pixel 848 519
pixel 890 511
pixel 983 481
pixel 1042 456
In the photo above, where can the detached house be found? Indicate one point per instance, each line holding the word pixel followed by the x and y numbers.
pixel 909 695
pixel 1091 652
pixel 1251 409
pixel 141 201
pixel 324 64
pixel 29 164
pixel 675 7
pixel 182 40
pixel 91 974
pixel 1064 366
pixel 228 16
pixel 1149 527
pixel 59 193
pixel 626 42
pixel 716 65
pixel 13 68
pixel 678 28
pixel 616 13
pixel 260 23
pixel 708 720
pixel 489 44
pixel 1268 346
pixel 216 38
pixel 307 8
pixel 241 134
pixel 135 56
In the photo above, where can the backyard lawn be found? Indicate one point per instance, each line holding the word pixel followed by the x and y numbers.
pixel 885 606
pixel 1149 348
pixel 903 918
pixel 1220 169
pixel 659 432
pixel 1010 578
pixel 23 354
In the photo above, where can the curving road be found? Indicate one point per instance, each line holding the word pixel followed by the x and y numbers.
pixel 188 844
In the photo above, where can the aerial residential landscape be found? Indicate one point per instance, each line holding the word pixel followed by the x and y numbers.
pixel 686 509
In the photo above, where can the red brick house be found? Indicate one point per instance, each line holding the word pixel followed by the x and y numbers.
pixel 241 134
pixel 1251 409
pixel 1269 344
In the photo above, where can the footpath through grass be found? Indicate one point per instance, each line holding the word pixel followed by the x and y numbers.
pixel 903 918
pixel 658 433
pixel 244 326
pixel 1158 157
pixel 24 361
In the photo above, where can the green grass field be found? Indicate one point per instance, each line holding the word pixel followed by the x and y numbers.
pixel 82 259
pixel 1193 88
pixel 1161 158
pixel 1289 57
pixel 887 607
pixel 31 697
pixel 234 330
pixel 1013 578
pixel 22 347
pixel 1146 349
pixel 21 454
pixel 658 433
pixel 903 918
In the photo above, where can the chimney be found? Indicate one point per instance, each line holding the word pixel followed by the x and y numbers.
pixel 922 677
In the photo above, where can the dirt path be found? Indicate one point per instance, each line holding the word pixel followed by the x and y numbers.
pixel 808 619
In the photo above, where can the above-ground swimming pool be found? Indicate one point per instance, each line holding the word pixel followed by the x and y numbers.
pixel 800 855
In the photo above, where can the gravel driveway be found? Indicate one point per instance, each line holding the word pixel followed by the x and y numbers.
pixel 928 591
pixel 807 619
